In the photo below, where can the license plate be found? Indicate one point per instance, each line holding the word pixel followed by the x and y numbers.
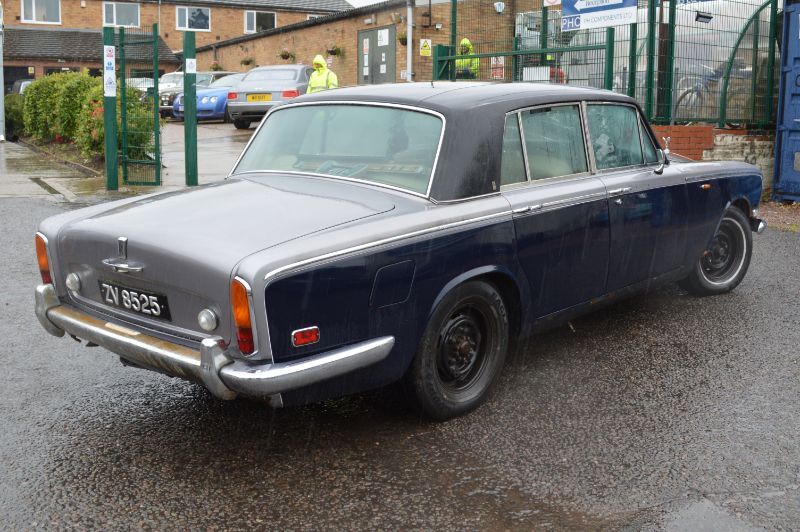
pixel 134 300
pixel 259 97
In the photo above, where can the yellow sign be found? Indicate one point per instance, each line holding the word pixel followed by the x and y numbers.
pixel 425 47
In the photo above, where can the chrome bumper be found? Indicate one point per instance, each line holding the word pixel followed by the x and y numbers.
pixel 210 366
pixel 757 225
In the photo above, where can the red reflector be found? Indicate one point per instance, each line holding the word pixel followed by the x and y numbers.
pixel 291 93
pixel 307 336
pixel 232 95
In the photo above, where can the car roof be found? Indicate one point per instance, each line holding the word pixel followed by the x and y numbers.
pixel 449 96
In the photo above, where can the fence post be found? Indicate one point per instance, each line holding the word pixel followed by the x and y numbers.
pixel 543 36
pixel 651 59
pixel 754 66
pixel 110 107
pixel 123 108
pixel 670 73
pixel 515 75
pixel 156 109
pixel 453 36
pixel 632 59
pixel 190 108
pixel 608 74
pixel 773 30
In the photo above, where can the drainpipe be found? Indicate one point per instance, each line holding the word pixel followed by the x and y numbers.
pixel 409 40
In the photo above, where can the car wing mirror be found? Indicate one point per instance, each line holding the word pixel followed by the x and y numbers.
pixel 663 156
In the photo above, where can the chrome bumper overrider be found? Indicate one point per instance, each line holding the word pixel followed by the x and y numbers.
pixel 222 375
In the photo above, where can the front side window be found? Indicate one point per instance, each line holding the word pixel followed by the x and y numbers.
pixel 121 14
pixel 255 21
pixel 41 11
pixel 554 141
pixel 615 136
pixel 399 150
pixel 512 162
pixel 650 154
pixel 193 18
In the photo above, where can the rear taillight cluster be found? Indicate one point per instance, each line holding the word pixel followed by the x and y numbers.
pixel 232 96
pixel 240 302
pixel 290 93
pixel 41 258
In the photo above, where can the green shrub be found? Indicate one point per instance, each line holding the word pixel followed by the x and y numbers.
pixel 41 103
pixel 70 95
pixel 90 129
pixel 14 123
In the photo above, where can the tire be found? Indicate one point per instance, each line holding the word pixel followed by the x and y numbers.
pixel 241 124
pixel 461 352
pixel 724 263
pixel 226 119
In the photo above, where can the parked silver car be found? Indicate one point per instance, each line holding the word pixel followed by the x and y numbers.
pixel 263 88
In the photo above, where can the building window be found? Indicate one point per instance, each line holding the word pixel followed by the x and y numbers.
pixel 119 14
pixel 255 21
pixel 41 11
pixel 193 18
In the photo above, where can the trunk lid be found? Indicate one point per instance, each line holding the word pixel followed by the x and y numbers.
pixel 189 241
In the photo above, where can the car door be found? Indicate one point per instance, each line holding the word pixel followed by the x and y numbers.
pixel 648 211
pixel 560 210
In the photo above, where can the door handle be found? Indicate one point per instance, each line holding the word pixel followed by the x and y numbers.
pixel 618 201
pixel 526 208
pixel 618 191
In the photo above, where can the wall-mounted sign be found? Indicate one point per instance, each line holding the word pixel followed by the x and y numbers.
pixel 425 47
pixel 498 68
pixel 587 14
pixel 365 45
pixel 109 71
pixel 383 37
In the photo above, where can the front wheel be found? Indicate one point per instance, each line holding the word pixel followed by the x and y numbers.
pixel 461 352
pixel 724 263
pixel 241 124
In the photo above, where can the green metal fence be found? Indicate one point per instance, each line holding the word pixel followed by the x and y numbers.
pixel 684 60
pixel 140 126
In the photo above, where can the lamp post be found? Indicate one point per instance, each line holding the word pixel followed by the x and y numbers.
pixel 2 83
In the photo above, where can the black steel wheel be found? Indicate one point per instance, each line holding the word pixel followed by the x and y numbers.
pixel 461 353
pixel 725 260
pixel 241 124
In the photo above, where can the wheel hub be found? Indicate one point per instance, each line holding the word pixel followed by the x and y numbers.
pixel 459 348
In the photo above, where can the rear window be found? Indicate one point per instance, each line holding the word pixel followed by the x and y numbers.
pixel 272 75
pixel 385 145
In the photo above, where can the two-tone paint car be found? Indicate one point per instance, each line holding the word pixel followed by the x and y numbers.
pixel 411 233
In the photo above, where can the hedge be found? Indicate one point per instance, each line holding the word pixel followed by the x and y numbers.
pixel 68 107
pixel 14 124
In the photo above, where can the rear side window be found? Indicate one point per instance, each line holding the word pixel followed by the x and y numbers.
pixel 554 141
pixel 614 130
pixel 512 163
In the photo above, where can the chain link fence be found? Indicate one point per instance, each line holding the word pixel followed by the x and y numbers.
pixel 685 61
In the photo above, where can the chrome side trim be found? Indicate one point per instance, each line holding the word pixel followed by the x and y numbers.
pixel 268 379
pixel 375 243
pixel 356 102
pixel 574 200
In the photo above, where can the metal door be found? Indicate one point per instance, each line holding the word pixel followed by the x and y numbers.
pixel 376 56
pixel 140 126
pixel 787 138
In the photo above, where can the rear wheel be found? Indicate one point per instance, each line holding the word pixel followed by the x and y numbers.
pixel 461 353
pixel 724 263
pixel 241 124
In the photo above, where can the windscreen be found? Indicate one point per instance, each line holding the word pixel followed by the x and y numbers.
pixel 272 75
pixel 174 78
pixel 385 145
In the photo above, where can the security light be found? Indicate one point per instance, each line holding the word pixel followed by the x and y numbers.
pixel 705 18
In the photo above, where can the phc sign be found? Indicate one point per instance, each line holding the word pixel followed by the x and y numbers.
pixel 588 14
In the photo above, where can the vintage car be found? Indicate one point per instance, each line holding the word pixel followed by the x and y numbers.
pixel 398 233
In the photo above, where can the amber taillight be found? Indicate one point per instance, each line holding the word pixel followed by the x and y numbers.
pixel 41 257
pixel 240 302
pixel 290 93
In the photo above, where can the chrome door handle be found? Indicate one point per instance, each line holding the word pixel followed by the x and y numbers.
pixel 526 208
pixel 618 191
pixel 618 201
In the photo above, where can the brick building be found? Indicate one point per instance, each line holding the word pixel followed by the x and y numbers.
pixel 71 22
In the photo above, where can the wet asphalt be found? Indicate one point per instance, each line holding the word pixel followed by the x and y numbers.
pixel 663 412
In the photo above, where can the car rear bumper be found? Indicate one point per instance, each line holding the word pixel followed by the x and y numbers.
pixel 249 111
pixel 209 366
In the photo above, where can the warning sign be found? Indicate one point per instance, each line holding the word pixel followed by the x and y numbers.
pixel 498 68
pixel 425 47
